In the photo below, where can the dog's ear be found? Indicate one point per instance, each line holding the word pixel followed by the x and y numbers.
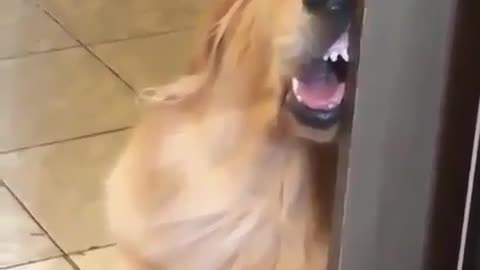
pixel 210 37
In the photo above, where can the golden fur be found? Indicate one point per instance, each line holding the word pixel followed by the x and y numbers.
pixel 214 176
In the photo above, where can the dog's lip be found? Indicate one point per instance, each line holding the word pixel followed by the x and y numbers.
pixel 321 94
pixel 319 83
pixel 319 102
pixel 316 92
pixel 318 119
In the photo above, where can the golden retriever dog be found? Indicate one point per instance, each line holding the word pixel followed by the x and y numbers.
pixel 222 172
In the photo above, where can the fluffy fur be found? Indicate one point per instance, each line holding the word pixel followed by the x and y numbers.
pixel 214 176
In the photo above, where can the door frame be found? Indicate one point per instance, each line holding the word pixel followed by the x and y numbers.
pixel 394 157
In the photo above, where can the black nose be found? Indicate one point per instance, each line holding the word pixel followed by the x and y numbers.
pixel 329 5
pixel 314 5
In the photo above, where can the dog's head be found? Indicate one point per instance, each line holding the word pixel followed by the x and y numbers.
pixel 296 49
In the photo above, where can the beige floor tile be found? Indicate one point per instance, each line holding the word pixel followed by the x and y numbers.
pixel 99 259
pixel 56 264
pixel 93 21
pixel 59 95
pixel 62 186
pixel 24 29
pixel 21 240
pixel 148 61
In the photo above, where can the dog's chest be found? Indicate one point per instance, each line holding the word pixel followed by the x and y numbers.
pixel 250 212
pixel 252 233
pixel 242 203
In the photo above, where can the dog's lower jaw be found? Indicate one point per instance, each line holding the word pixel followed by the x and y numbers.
pixel 321 136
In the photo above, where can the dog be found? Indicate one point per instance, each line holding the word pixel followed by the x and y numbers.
pixel 225 170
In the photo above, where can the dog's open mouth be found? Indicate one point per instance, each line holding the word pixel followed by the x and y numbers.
pixel 319 87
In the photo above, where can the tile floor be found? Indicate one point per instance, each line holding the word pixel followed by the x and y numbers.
pixel 68 74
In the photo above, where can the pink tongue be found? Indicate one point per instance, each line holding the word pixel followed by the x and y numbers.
pixel 320 95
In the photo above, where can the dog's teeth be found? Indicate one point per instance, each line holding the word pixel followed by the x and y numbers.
pixel 295 84
pixel 330 56
pixel 334 56
pixel 297 96
pixel 345 55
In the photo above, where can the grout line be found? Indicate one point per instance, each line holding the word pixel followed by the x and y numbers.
pixel 34 261
pixel 64 255
pixel 92 248
pixel 69 257
pixel 28 54
pixel 47 234
pixel 106 132
pixel 113 71
pixel 143 36
pixel 104 42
